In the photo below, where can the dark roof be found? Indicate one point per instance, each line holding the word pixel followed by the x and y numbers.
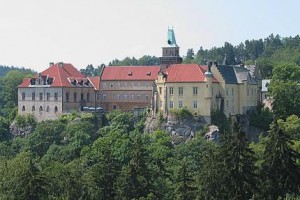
pixel 228 73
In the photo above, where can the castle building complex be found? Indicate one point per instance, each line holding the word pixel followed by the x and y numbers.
pixel 171 85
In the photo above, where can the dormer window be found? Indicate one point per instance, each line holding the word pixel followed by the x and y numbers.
pixel 80 82
pixel 32 82
pixel 129 73
pixel 148 73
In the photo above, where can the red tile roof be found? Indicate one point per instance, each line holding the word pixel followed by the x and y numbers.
pixel 60 74
pixel 95 82
pixel 25 83
pixel 204 69
pixel 185 73
pixel 130 73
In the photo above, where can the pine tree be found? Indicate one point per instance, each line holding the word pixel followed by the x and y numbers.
pixel 280 171
pixel 231 175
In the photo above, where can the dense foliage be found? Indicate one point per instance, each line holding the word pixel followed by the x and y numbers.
pixel 71 158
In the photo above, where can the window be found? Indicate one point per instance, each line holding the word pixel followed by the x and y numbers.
pixel 248 91
pixel 138 96
pixel 48 96
pixel 146 84
pixel 23 96
pixel 195 104
pixel 41 109
pixel 114 107
pixel 132 84
pixel 232 92
pixel 171 91
pixel 118 96
pixel 139 84
pixel 132 96
pixel 67 97
pixel 125 84
pixel 41 96
pixel 33 96
pixel 125 96
pixel 118 84
pixel 226 92
pixel 23 108
pixel 88 97
pixel 81 96
pixel 146 97
pixel 171 104
pixel 104 96
pixel 195 91
pixel 33 109
pixel 180 104
pixel 180 91
pixel 75 97
pixel 160 90
pixel 55 109
pixel 111 84
pixel 104 85
pixel 55 96
pixel 47 109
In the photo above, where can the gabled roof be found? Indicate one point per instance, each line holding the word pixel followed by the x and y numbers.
pixel 186 73
pixel 62 75
pixel 228 73
pixel 95 81
pixel 234 74
pixel 130 73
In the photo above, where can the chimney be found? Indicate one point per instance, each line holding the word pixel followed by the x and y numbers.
pixel 51 64
pixel 60 64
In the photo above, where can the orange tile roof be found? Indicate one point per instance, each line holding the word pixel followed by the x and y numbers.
pixel 130 73
pixel 60 74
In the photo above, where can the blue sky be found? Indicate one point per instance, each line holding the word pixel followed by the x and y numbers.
pixel 34 33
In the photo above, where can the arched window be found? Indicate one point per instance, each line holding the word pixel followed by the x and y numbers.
pixel 33 109
pixel 41 109
pixel 23 108
pixel 47 109
pixel 55 109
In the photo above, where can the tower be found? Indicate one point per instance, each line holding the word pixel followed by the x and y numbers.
pixel 170 53
pixel 208 92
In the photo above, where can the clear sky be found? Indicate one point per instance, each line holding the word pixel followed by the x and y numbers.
pixel 36 32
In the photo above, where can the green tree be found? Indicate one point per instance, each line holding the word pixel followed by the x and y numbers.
pixel 285 90
pixel 280 172
pixel 233 174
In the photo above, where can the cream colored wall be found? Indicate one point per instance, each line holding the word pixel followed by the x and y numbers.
pixel 29 103
pixel 187 98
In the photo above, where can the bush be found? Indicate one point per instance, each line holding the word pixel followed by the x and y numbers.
pixel 182 113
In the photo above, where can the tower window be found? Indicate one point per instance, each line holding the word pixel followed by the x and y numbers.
pixel 33 96
pixel 47 109
pixel 41 109
pixel 23 96
pixel 23 108
pixel 41 96
pixel 55 109
pixel 48 96
pixel 33 108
